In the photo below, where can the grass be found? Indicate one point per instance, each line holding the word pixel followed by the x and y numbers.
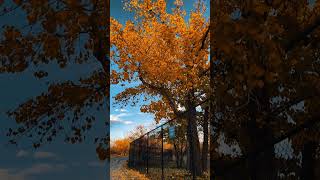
pixel 117 155
pixel 124 173
pixel 173 173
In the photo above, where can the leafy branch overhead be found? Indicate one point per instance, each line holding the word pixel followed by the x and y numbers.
pixel 265 75
pixel 62 32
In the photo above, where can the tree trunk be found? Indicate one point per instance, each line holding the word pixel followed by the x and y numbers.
pixel 205 144
pixel 307 171
pixel 193 140
pixel 176 149
pixel 181 155
pixel 261 165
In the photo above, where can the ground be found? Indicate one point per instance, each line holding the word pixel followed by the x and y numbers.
pixel 120 171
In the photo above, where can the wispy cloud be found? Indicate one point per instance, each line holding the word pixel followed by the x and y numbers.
pixel 116 118
pixel 42 168
pixel 121 110
pixel 36 155
pixel 44 155
pixel 24 174
pixel 8 174
pixel 22 153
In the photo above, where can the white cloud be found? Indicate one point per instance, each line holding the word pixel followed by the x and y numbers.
pixel 22 153
pixel 7 174
pixel 42 168
pixel 44 155
pixel 120 110
pixel 122 114
pixel 116 118
pixel 127 122
pixel 23 174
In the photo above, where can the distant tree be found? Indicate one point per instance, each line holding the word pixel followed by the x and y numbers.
pixel 65 32
pixel 137 132
pixel 120 147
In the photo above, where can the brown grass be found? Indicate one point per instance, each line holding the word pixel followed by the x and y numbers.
pixel 125 173
pixel 173 173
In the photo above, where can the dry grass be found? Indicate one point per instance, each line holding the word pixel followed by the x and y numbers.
pixel 174 173
pixel 125 173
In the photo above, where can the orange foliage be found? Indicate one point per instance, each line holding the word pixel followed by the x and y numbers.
pixel 165 51
pixel 120 146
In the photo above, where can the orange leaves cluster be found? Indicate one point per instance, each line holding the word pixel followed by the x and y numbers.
pixel 51 45
pixel 12 34
pixel 268 52
pixel 160 109
pixel 120 146
pixel 62 23
pixel 147 8
pixel 13 49
pixel 163 49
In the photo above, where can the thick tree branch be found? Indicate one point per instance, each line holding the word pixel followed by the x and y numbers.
pixel 164 93
pixel 289 104
pixel 204 38
pixel 303 35
pixel 102 56
pixel 314 94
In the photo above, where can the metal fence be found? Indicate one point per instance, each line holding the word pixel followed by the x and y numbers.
pixel 162 153
pixel 293 154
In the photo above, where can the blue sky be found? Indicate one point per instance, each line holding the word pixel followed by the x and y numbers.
pixel 124 120
pixel 56 160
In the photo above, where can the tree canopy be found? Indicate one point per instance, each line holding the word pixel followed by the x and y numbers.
pixel 265 74
pixel 165 51
pixel 62 32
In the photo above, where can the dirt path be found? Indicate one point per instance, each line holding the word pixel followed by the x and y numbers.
pixel 120 171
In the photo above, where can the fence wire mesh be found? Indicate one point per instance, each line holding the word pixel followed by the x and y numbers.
pixel 163 152
pixel 292 155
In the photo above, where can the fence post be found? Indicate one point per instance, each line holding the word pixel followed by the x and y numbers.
pixel 133 153
pixel 162 175
pixel 140 155
pixel 191 154
pixel 130 155
pixel 147 152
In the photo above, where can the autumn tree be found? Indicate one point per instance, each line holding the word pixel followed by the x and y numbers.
pixel 137 132
pixel 62 32
pixel 120 146
pixel 265 74
pixel 168 54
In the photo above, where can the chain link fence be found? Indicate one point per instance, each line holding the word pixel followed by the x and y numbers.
pixel 293 154
pixel 162 153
